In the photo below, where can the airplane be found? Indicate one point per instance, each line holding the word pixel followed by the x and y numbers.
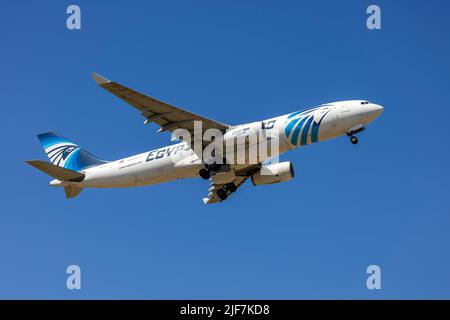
pixel 74 168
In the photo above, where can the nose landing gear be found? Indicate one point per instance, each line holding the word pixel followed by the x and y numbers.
pixel 351 133
pixel 222 194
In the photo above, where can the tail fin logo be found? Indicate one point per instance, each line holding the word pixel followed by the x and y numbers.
pixel 65 153
pixel 60 154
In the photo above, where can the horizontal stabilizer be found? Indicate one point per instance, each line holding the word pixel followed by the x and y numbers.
pixel 57 172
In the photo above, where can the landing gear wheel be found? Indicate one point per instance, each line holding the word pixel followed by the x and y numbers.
pixel 231 187
pixel 204 174
pixel 354 140
pixel 222 194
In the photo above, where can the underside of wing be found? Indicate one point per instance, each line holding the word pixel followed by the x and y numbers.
pixel 167 116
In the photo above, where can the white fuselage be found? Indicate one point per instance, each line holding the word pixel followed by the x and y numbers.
pixel 179 161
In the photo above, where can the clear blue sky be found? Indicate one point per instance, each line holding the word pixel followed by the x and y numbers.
pixel 384 201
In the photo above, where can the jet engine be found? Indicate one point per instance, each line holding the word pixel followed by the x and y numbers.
pixel 274 173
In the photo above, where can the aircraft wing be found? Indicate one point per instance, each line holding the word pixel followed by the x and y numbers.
pixel 168 117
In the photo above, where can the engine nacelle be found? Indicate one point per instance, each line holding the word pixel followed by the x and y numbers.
pixel 274 173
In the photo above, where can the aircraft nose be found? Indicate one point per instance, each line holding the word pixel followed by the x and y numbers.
pixel 373 111
pixel 378 109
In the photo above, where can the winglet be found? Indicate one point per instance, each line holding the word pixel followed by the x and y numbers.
pixel 99 79
pixel 205 200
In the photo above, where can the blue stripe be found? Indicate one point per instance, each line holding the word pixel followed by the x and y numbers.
pixel 294 114
pixel 304 139
pixel 49 139
pixel 297 131
pixel 290 126
pixel 315 128
pixel 71 163
pixel 315 133
pixel 52 141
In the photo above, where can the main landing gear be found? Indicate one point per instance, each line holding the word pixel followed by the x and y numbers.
pixel 214 168
pixel 353 140
pixel 205 174
pixel 227 189
pixel 210 169
pixel 222 194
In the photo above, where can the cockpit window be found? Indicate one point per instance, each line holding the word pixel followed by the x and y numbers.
pixel 365 102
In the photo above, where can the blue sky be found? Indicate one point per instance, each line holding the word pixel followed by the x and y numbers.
pixel 383 201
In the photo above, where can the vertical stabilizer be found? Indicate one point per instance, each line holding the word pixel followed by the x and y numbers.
pixel 65 153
